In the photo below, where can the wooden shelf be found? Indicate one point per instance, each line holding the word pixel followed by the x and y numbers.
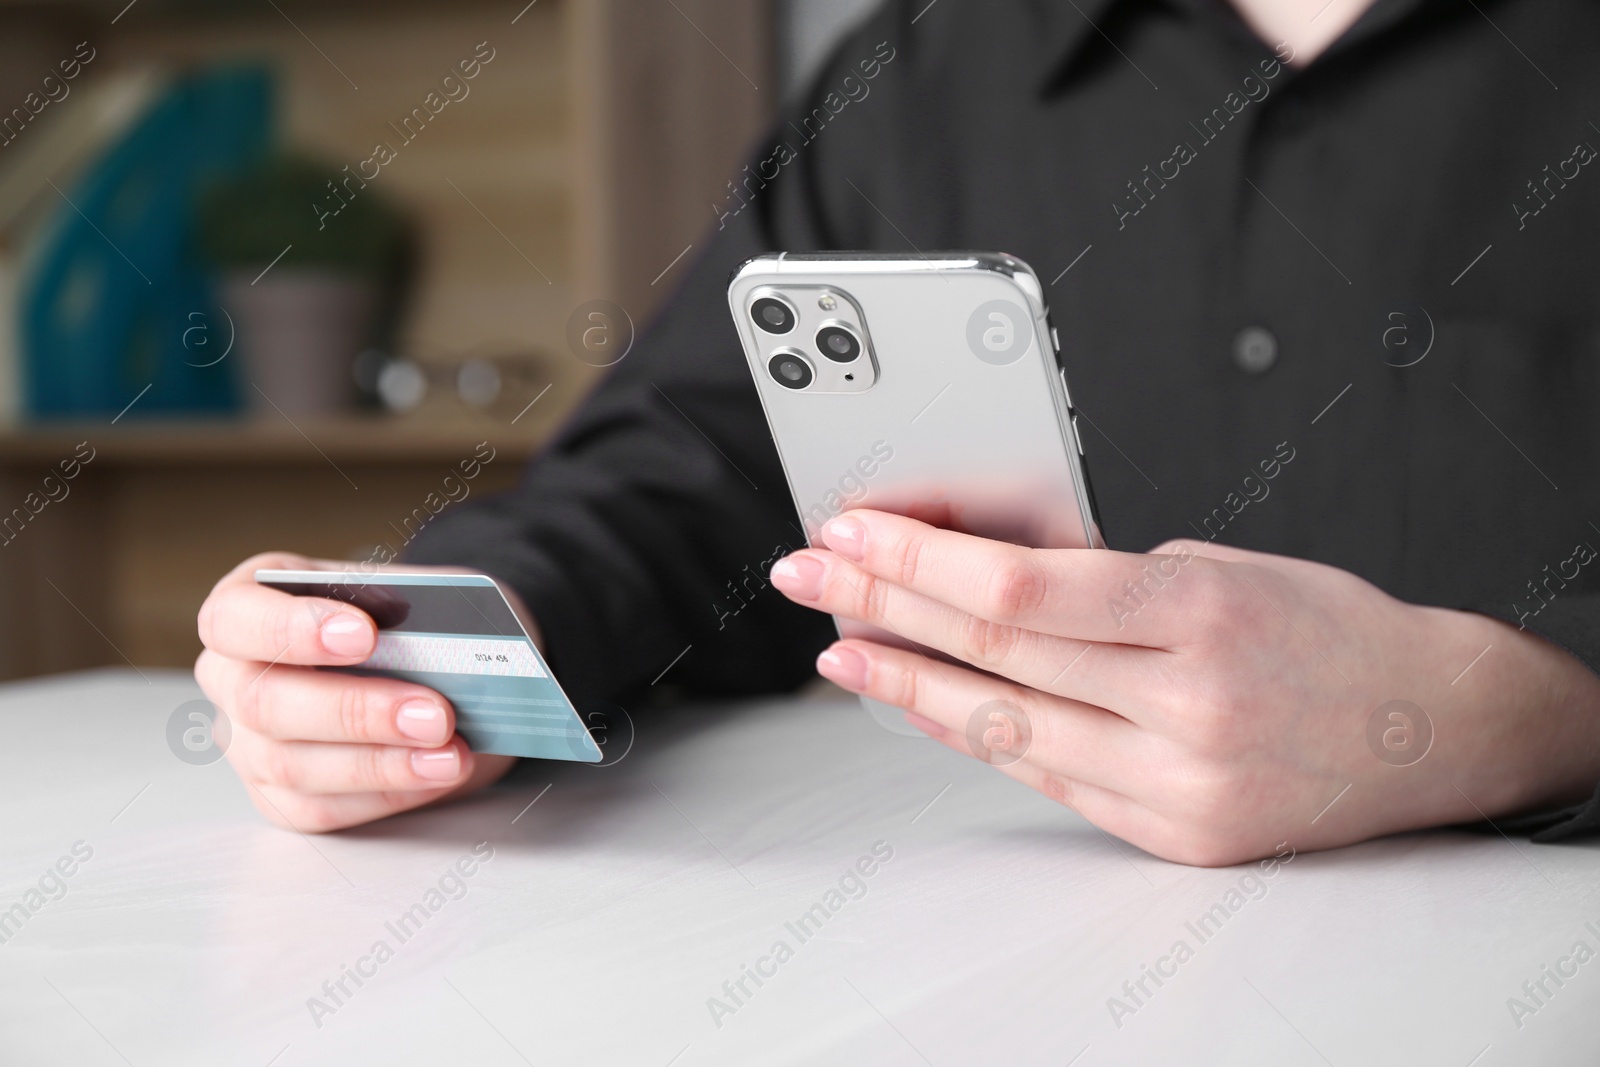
pixel 190 10
pixel 271 441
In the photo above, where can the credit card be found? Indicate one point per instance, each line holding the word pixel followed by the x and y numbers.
pixel 456 634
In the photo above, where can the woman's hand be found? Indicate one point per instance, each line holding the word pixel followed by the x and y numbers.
pixel 1202 702
pixel 319 750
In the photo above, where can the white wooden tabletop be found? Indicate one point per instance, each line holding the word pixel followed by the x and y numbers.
pixel 703 901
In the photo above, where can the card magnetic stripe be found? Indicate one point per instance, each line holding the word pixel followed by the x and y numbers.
pixel 508 715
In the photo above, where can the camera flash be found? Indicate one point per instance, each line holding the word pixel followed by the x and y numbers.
pixel 826 302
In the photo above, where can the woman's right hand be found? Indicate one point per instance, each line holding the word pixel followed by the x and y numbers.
pixel 322 750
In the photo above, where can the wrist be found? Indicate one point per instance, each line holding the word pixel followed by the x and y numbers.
pixel 1531 718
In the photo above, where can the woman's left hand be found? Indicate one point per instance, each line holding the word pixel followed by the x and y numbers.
pixel 1205 703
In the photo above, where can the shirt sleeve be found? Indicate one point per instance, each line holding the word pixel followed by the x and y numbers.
pixel 645 530
pixel 642 537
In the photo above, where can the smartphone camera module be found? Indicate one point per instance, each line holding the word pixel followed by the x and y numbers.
pixel 809 339
pixel 790 370
pixel 838 344
pixel 772 315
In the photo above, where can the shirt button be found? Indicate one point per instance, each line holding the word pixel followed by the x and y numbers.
pixel 1255 350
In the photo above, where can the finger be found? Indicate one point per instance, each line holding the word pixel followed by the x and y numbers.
pixel 1115 676
pixel 242 619
pixel 1209 549
pixel 1289 565
pixel 299 704
pixel 317 767
pixel 1107 809
pixel 320 814
pixel 1066 737
pixel 1092 594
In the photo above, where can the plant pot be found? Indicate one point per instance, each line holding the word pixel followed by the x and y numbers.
pixel 297 337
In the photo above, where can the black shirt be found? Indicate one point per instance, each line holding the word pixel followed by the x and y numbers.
pixel 1384 262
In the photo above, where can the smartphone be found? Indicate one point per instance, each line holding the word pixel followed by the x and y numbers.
pixel 458 635
pixel 929 386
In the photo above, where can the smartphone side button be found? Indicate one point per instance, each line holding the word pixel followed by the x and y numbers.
pixel 1055 340
pixel 1065 391
pixel 1077 439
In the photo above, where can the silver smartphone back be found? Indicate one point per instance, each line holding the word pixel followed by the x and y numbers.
pixel 926 386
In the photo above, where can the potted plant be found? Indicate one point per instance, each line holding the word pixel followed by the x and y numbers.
pixel 312 262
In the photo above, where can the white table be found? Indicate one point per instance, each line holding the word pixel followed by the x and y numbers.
pixel 620 902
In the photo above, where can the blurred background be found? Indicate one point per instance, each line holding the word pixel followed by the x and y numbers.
pixel 273 271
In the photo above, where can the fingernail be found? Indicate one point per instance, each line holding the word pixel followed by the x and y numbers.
pixel 422 720
pixel 844 667
pixel 346 635
pixel 846 536
pixel 441 766
pixel 799 576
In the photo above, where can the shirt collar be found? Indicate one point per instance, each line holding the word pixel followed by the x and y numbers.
pixel 1065 27
pixel 1070 27
pixel 1381 17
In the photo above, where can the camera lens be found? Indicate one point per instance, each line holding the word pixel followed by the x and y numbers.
pixel 772 315
pixel 789 370
pixel 838 344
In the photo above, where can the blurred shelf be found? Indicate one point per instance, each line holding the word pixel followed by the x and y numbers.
pixel 270 441
pixel 594 147
pixel 239 10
